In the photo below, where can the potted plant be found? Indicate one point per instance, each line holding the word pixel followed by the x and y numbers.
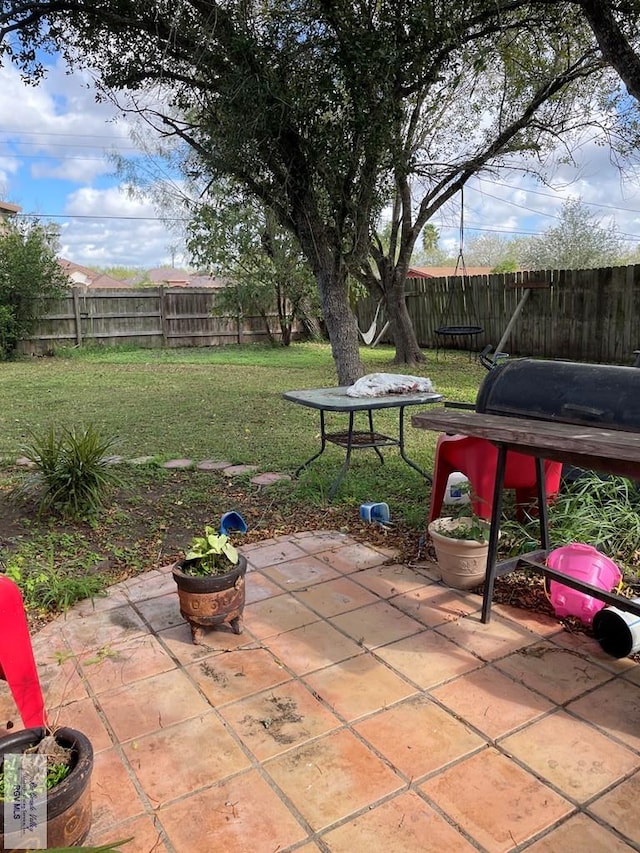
pixel 462 546
pixel 210 581
pixel 64 798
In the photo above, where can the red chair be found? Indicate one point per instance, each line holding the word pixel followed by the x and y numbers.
pixel 477 459
pixel 17 665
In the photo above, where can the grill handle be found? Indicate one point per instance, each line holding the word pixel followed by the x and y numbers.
pixel 587 412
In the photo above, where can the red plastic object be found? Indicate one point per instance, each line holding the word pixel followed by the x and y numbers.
pixel 17 664
pixel 477 459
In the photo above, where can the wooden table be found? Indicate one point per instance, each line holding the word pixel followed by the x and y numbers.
pixel 611 451
pixel 337 400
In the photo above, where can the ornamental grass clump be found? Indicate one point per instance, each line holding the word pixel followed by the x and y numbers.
pixel 71 471
pixel 211 554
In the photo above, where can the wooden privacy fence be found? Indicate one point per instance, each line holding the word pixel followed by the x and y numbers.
pixel 581 315
pixel 145 317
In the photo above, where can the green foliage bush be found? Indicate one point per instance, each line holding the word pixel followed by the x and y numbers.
pixel 72 472
pixel 29 274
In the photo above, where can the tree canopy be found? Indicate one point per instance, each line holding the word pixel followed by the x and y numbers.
pixel 327 110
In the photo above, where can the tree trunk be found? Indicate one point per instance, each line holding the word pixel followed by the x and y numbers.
pixel 341 325
pixel 404 337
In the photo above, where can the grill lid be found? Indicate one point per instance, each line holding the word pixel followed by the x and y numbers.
pixel 591 394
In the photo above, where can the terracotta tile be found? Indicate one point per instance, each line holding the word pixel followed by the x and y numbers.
pixel 405 824
pixel 557 673
pixel 352 557
pixel 113 795
pixel 494 640
pixel 578 835
pixel 495 801
pixel 491 701
pixel 154 703
pixel 573 756
pixel 428 659
pixel 88 633
pixel 315 541
pixel 540 623
pixel 276 615
pixel 312 647
pixel 178 642
pixel 359 686
pixel 149 585
pixel 257 588
pixel 619 809
pixel 300 573
pixel 227 678
pixel 337 596
pixel 278 552
pixel 614 708
pixel 8 710
pixel 146 836
pixel 376 625
pixel 158 759
pixel 243 813
pixel 275 720
pixel 418 737
pixel 114 598
pixel 82 715
pixel 436 605
pixel 59 680
pixel 632 673
pixel 331 778
pixel 387 581
pixel 162 612
pixel 122 663
pixel 590 649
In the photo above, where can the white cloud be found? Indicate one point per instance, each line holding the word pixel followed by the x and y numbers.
pixel 130 235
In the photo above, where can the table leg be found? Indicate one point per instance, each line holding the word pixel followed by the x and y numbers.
pixel 347 461
pixel 413 465
pixel 492 556
pixel 323 444
pixel 542 504
pixel 377 449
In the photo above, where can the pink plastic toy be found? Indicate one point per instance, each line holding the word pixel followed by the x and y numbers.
pixel 584 563
pixel 17 666
pixel 477 459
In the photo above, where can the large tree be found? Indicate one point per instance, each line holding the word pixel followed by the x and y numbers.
pixel 323 109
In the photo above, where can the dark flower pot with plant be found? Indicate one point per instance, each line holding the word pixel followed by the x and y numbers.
pixel 211 584
pixel 68 790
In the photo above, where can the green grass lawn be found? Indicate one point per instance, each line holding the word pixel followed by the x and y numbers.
pixel 221 403
pixel 216 403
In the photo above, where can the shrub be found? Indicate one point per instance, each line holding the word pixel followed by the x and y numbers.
pixel 29 274
pixel 71 473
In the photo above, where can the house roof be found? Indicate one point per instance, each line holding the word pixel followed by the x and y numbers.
pixel 86 277
pixel 8 208
pixel 441 272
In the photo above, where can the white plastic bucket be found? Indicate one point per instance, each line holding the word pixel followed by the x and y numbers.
pixel 617 631
pixel 457 490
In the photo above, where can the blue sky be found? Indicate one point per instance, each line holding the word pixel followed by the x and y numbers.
pixel 55 146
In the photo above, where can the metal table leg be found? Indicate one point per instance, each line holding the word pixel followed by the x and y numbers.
pixel 411 464
pixel 492 556
pixel 371 430
pixel 542 504
pixel 345 465
pixel 323 444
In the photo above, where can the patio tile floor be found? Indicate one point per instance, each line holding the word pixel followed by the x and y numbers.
pixel 364 707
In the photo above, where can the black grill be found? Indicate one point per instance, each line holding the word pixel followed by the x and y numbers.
pixel 602 395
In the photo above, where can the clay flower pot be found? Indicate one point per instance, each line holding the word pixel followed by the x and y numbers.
pixel 68 803
pixel 462 561
pixel 208 601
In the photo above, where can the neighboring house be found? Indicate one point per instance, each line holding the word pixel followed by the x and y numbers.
pixel 7 212
pixel 172 277
pixel 85 277
pixel 441 272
